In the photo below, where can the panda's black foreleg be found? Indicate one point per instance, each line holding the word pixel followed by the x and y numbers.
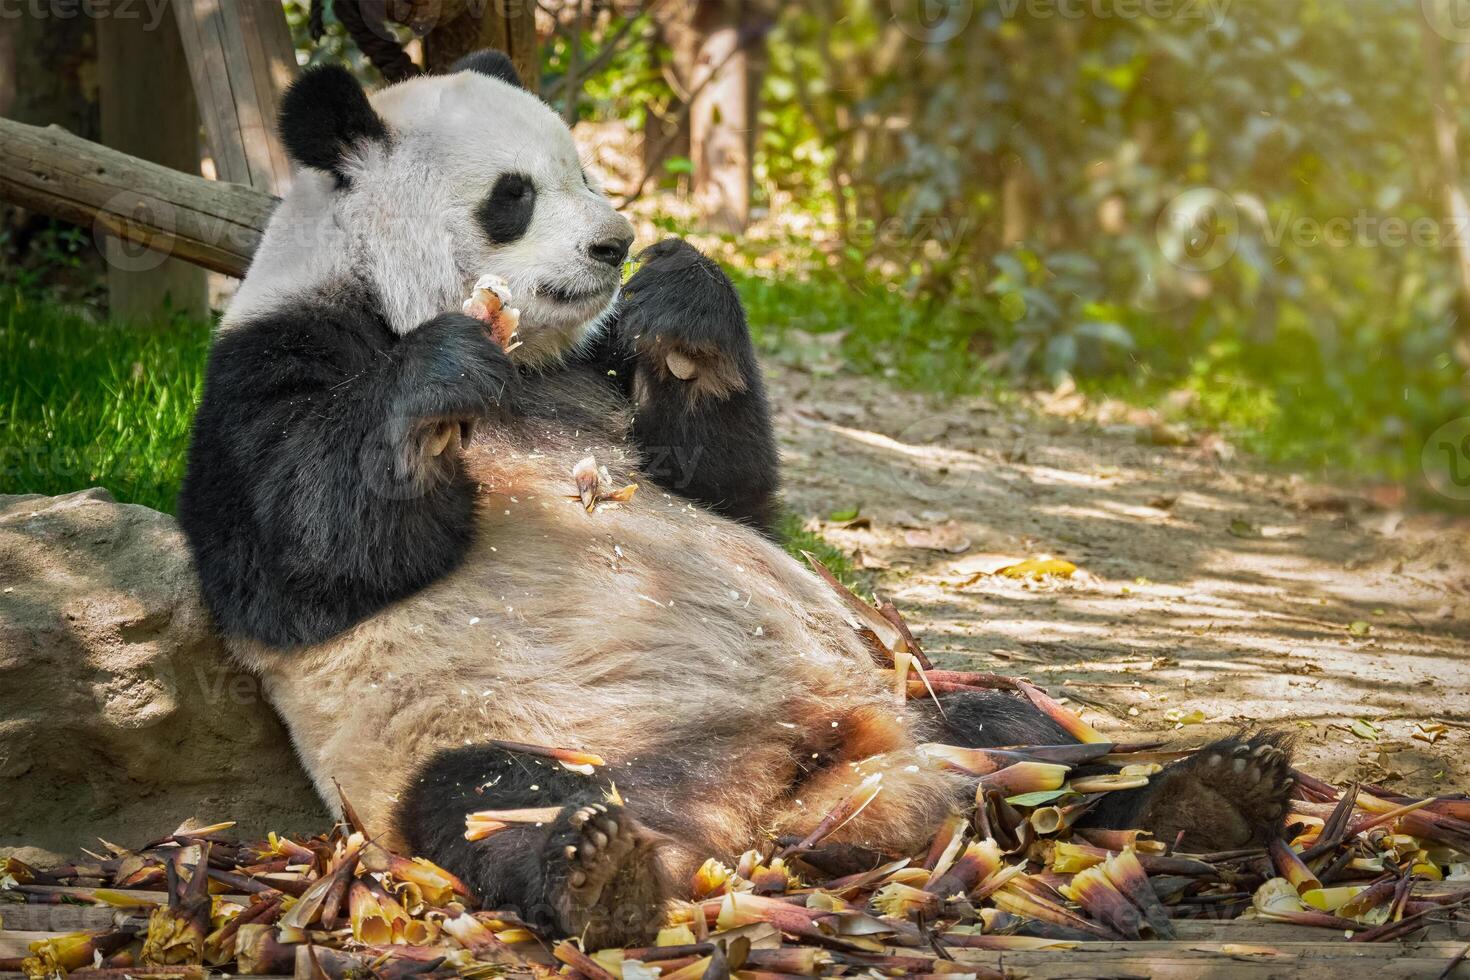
pixel 701 419
pixel 1231 793
pixel 588 872
pixel 324 478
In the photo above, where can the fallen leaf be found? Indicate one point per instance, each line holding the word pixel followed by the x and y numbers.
pixel 1181 717
pixel 1038 568
pixel 843 516
pixel 1360 628
pixel 1037 798
pixel 1164 503
pixel 1362 729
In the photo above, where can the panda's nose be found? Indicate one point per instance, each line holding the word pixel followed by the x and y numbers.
pixel 611 251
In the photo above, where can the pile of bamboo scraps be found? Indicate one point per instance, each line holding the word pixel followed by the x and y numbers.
pixel 1011 887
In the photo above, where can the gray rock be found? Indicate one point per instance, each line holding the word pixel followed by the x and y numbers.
pixel 119 714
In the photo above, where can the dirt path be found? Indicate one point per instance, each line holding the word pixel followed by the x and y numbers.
pixel 1208 588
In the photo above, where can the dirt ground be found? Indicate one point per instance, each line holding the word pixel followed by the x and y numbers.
pixel 1212 592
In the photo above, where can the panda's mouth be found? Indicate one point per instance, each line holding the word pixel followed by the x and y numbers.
pixel 574 296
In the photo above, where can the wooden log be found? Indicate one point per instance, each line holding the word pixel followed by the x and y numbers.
pixel 241 59
pixel 210 223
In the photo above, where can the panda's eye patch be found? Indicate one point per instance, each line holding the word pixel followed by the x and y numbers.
pixel 506 211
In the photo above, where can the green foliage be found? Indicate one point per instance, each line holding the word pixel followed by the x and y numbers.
pixel 92 404
pixel 1211 200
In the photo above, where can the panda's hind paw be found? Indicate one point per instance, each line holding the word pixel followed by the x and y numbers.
pixel 1230 794
pixel 611 891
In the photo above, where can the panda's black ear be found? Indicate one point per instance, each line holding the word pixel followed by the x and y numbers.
pixel 325 113
pixel 488 61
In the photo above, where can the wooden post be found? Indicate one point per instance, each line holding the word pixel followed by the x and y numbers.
pixel 509 25
pixel 148 113
pixel 241 59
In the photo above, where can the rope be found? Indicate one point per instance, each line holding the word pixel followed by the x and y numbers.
pixel 385 53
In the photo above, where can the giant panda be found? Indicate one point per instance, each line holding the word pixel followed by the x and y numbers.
pixel 380 506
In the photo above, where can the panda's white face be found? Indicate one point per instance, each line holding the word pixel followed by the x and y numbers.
pixel 475 176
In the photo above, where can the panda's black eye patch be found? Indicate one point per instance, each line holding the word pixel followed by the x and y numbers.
pixel 505 214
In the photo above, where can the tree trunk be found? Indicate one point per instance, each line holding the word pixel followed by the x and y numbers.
pixel 1446 142
pixel 149 113
pixel 720 124
pixel 507 25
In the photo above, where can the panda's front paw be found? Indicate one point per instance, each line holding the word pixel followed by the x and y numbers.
pixel 681 316
pixel 452 375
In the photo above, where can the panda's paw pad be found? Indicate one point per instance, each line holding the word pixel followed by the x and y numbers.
pixel 604 839
pixel 612 889
pixel 1231 793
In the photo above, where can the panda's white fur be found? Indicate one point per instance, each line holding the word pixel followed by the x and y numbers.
pixel 407 227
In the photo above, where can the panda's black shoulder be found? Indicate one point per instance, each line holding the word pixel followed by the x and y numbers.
pixel 287 545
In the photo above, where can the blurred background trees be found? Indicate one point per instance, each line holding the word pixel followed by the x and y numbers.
pixel 1245 217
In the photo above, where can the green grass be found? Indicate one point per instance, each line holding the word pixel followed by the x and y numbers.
pixel 95 404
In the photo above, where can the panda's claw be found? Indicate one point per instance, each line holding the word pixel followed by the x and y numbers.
pixel 612 890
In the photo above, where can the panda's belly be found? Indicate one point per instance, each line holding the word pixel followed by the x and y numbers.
pixel 625 632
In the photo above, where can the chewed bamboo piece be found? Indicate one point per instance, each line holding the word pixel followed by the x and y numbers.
pixel 490 302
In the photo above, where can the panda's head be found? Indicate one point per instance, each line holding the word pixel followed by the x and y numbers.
pixel 419 189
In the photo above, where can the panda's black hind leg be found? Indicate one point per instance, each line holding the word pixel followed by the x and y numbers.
pixel 1232 793
pixel 589 872
pixel 991 719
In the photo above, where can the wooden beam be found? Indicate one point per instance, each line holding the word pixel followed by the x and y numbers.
pixel 210 223
pixel 241 60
